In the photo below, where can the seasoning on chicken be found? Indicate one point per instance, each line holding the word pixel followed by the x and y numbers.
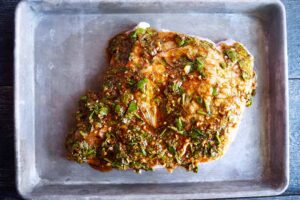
pixel 168 99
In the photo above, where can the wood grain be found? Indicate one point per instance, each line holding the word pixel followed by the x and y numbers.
pixel 293 30
pixel 7 161
pixel 7 41
pixel 294 114
pixel 282 197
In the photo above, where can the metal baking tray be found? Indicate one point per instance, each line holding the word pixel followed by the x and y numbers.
pixel 60 53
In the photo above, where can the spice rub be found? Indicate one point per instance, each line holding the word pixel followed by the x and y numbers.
pixel 168 99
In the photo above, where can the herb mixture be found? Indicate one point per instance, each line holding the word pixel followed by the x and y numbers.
pixel 168 99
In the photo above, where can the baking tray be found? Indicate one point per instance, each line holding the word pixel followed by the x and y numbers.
pixel 60 53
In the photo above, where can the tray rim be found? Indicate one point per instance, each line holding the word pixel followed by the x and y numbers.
pixel 279 189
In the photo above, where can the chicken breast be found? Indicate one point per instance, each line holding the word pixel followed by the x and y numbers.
pixel 168 99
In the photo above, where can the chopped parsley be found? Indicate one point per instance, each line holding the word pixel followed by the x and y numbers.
pixel 199 64
pixel 180 41
pixel 249 102
pixel 119 110
pixel 231 53
pixel 171 149
pixel 103 111
pixel 207 106
pixel 137 32
pixel 179 124
pixel 132 107
pixel 223 65
pixel 214 91
pixel 176 87
pixel 195 133
pixel 201 112
pixel 142 84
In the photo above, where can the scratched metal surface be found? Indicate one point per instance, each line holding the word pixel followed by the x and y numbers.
pixel 62 61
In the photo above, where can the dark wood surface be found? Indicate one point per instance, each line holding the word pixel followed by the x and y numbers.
pixel 7 156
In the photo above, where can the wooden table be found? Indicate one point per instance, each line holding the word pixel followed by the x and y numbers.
pixel 7 162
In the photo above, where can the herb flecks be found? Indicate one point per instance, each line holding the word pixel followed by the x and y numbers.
pixel 214 91
pixel 199 64
pixel 207 106
pixel 180 41
pixel 137 32
pixel 249 102
pixel 176 87
pixel 195 133
pixel 119 110
pixel 103 111
pixel 223 65
pixel 132 107
pixel 231 54
pixel 167 99
pixel 142 84
pixel 179 123
pixel 82 151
